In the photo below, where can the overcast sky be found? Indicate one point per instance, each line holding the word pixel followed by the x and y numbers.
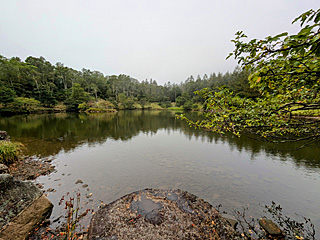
pixel 166 40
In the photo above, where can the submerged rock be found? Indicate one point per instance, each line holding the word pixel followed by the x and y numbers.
pixel 270 227
pixel 159 214
pixel 22 206
pixel 79 181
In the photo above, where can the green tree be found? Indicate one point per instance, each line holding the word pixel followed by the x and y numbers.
pixel 285 69
pixel 78 96
pixel 181 100
pixel 6 94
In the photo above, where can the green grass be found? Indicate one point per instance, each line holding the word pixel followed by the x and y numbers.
pixel 10 152
pixel 176 108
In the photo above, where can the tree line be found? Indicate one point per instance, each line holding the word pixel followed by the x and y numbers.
pixel 38 84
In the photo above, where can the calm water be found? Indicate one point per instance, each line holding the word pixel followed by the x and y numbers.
pixel 116 154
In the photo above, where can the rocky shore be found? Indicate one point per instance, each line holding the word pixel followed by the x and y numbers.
pixel 29 168
pixel 22 204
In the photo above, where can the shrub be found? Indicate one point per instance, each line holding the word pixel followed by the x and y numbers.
pixel 165 104
pixel 60 107
pixel 187 105
pixel 10 151
pixel 22 104
pixel 154 106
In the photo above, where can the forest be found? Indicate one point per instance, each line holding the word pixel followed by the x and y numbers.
pixel 36 85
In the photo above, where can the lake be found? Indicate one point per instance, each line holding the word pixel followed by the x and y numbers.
pixel 116 154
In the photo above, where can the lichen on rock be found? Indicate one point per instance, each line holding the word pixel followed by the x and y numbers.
pixel 22 206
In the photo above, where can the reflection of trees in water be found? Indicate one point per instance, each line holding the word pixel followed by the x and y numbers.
pixel 308 156
pixel 48 134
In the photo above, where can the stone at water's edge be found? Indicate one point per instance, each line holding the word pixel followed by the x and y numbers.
pixel 270 227
pixel 22 206
pixel 157 214
pixel 4 136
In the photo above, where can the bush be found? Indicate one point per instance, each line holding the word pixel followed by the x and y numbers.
pixel 60 107
pixel 165 104
pixel 10 151
pixel 22 104
pixel 187 105
pixel 154 106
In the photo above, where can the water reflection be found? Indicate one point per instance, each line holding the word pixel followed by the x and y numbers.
pixel 48 134
pixel 116 154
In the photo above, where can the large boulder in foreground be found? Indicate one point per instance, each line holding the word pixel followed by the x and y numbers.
pixel 159 214
pixel 22 207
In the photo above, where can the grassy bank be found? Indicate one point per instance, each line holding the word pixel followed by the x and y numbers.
pixel 10 152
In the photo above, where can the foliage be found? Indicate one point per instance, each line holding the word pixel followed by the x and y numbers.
pixel 285 69
pixel 78 96
pixel 7 95
pixel 97 106
pixel 187 105
pixel 165 104
pixel 10 151
pixel 60 107
pixel 182 99
pixel 22 104
pixel 104 104
pixel 126 102
pixel 143 102
pixel 154 106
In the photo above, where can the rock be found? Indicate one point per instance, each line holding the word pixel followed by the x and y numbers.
pixel 3 168
pixel 79 181
pixel 270 227
pixel 158 214
pixel 27 220
pixel 230 219
pixel 89 195
pixel 4 136
pixel 6 181
pixel 232 222
pixel 84 185
pixel 22 206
